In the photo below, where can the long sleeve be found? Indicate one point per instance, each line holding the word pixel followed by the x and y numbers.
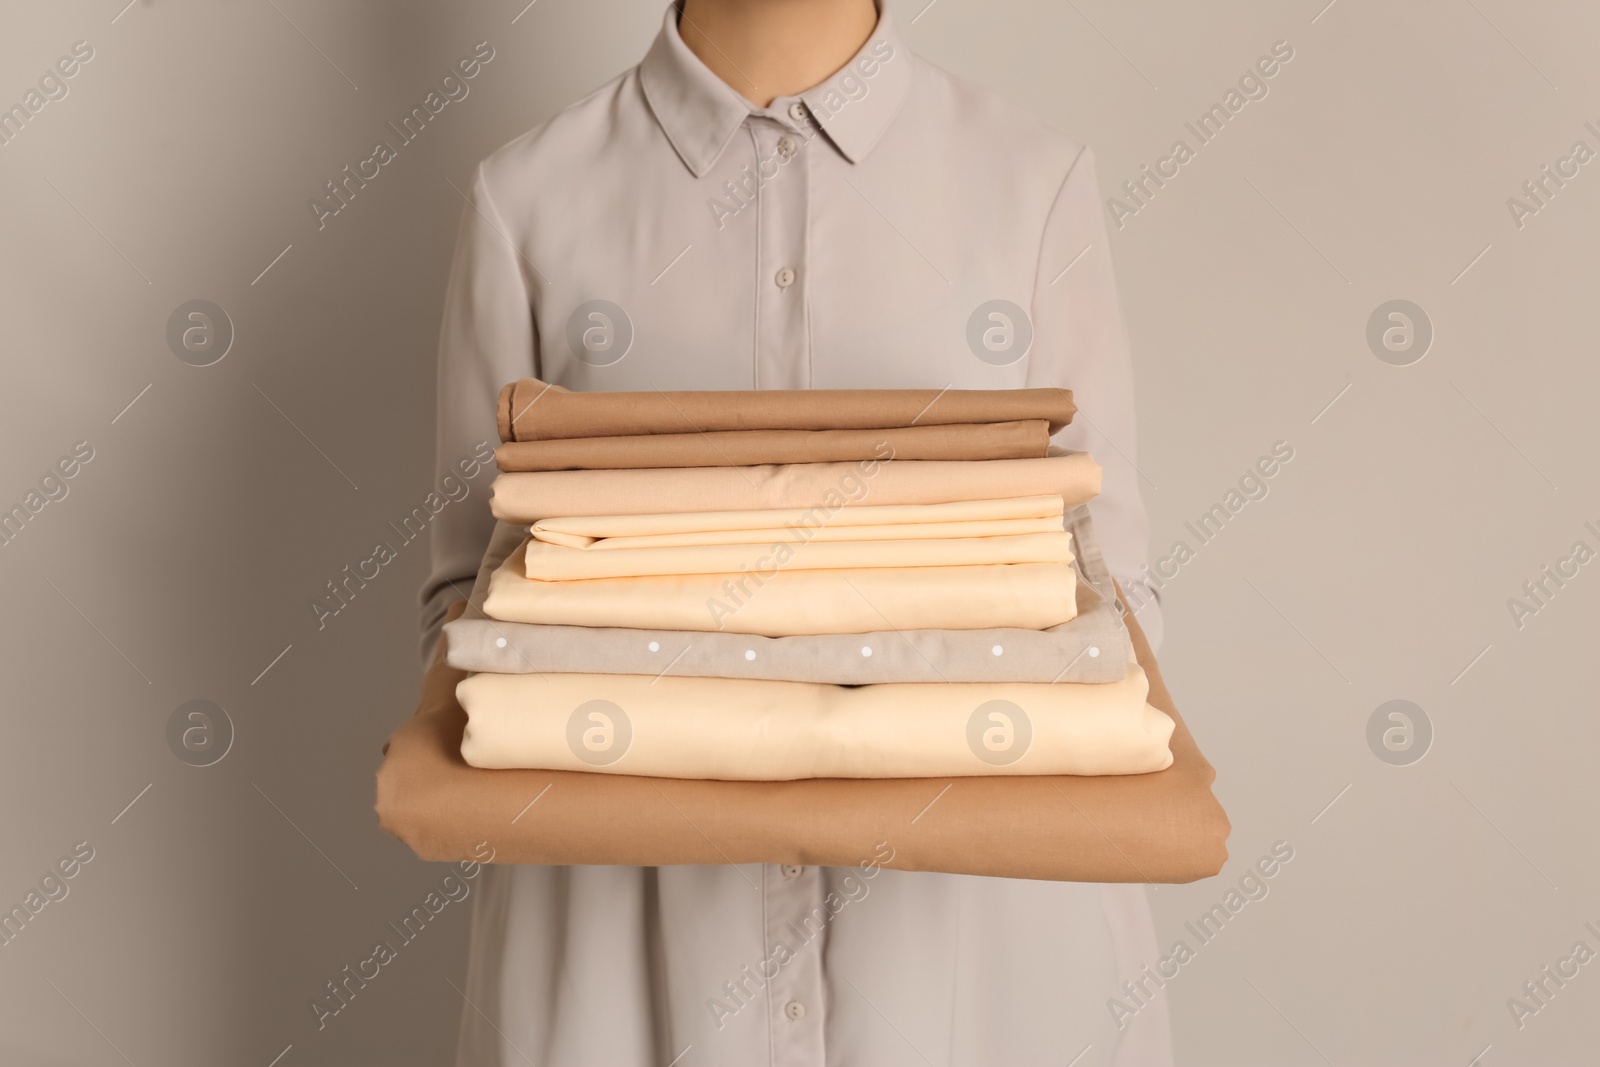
pixel 486 339
pixel 1080 342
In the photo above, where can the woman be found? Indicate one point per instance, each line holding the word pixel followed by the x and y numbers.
pixel 780 196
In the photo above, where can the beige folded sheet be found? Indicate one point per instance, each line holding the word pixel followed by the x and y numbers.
pixel 751 730
pixel 773 601
pixel 531 410
pixel 529 496
pixel 731 448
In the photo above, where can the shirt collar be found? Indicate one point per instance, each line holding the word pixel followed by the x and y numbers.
pixel 700 113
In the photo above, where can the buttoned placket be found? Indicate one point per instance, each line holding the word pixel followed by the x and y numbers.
pixel 780 139
pixel 795 918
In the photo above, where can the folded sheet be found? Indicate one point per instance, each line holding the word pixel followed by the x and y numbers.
pixel 1160 827
pixel 748 730
pixel 531 410
pixel 773 601
pixel 868 522
pixel 560 563
pixel 1024 439
pixel 1091 647
pixel 529 496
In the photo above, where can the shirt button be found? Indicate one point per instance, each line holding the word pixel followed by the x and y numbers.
pixel 795 1010
pixel 786 147
pixel 784 278
pixel 797 111
pixel 791 870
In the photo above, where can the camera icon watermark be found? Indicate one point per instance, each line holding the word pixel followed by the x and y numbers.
pixel 199 332
pixel 599 333
pixel 199 733
pixel 599 732
pixel 1399 333
pixel 1399 733
pixel 999 732
pixel 999 332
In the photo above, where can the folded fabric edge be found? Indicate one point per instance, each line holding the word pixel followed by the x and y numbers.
pixel 1021 439
pixel 502 410
pixel 506 417
pixel 1153 716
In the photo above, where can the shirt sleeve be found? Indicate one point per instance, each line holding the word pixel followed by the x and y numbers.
pixel 487 338
pixel 1080 342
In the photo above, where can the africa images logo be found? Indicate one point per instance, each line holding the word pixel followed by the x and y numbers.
pixel 599 732
pixel 999 732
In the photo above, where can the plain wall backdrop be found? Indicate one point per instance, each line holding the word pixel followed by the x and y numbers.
pixel 1379 566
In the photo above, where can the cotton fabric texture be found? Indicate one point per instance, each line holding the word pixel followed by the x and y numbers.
pixel 753 730
pixel 1026 439
pixel 1091 647
pixel 776 602
pixel 895 522
pixel 558 563
pixel 529 496
pixel 975 533
pixel 532 410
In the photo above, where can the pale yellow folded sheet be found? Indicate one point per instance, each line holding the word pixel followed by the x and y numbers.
pixel 555 563
pixel 773 601
pixel 1029 530
pixel 831 532
pixel 872 522
pixel 529 496
pixel 750 730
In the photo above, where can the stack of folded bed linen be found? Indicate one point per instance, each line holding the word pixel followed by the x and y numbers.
pixel 729 592
pixel 789 627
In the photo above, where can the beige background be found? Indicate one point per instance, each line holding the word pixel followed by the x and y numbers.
pixel 1379 566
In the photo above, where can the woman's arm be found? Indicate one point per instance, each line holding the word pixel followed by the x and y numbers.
pixel 487 339
pixel 1080 342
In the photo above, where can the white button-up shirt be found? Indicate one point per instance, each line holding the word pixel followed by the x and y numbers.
pixel 893 227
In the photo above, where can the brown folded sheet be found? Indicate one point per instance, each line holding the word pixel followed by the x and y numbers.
pixel 531 410
pixel 1023 439
pixel 1160 827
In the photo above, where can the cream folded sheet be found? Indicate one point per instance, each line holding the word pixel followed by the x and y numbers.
pixel 1092 647
pixel 529 496
pixel 553 563
pixel 965 533
pixel 774 601
pixel 962 518
pixel 751 730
